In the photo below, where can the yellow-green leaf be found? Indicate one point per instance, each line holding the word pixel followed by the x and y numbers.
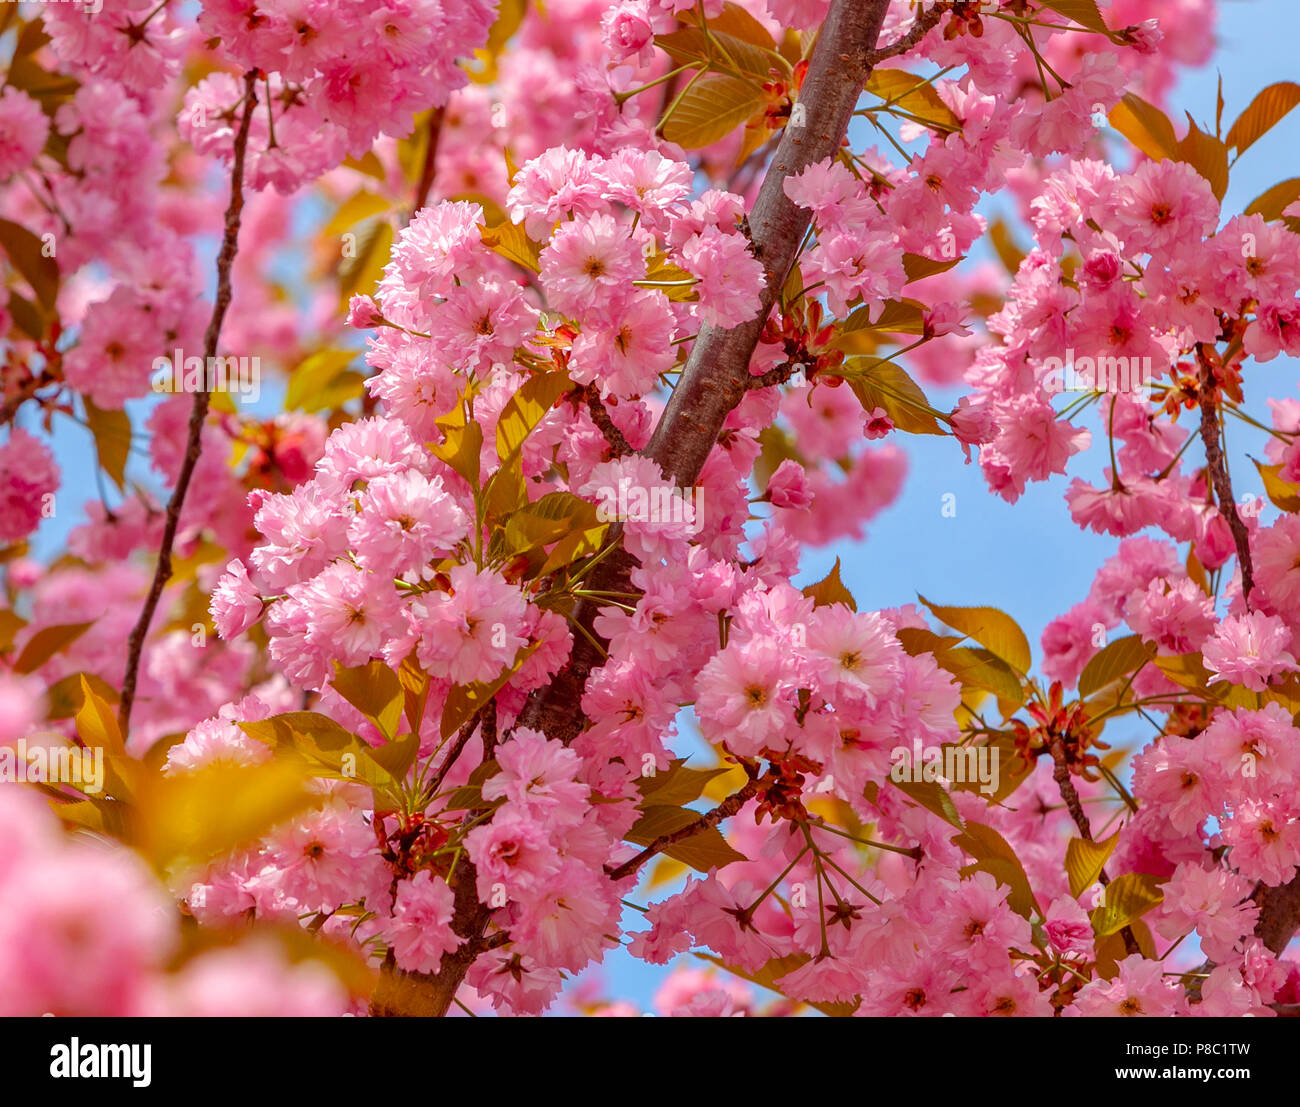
pixel 1282 493
pixel 526 408
pixel 465 699
pixel 1186 669
pixel 878 383
pixel 45 643
pixel 191 818
pixel 711 109
pixel 677 786
pixel 1127 897
pixel 914 95
pixel 1144 125
pixel 360 205
pixel 375 691
pixel 1083 12
pixel 512 243
pixel 461 448
pixel 991 628
pixel 704 850
pixel 931 795
pixel 360 274
pixel 1116 659
pixel 1084 861
pixel 112 433
pixel 27 256
pixel 994 855
pixel 312 377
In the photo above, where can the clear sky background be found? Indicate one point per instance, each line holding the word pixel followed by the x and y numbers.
pixel 1029 558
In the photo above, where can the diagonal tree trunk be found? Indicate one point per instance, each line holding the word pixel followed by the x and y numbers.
pixel 712 384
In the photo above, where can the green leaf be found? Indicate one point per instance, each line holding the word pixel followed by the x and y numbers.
pixel 1084 861
pixel 703 851
pixel 991 628
pixel 45 643
pixel 830 590
pixel 931 795
pixel 1264 112
pixel 677 786
pixel 112 434
pixel 374 690
pixel 994 855
pixel 526 408
pixel 711 109
pixel 914 95
pixel 25 254
pixel 885 384
pixel 1186 669
pixel 1127 898
pixel 1144 125
pixel 1115 659
pixel 917 266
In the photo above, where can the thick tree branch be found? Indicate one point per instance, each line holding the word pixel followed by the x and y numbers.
pixel 1279 914
pixel 713 382
pixel 199 412
pixel 716 375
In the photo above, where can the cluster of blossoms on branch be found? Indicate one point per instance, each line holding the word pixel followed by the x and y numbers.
pixel 471 609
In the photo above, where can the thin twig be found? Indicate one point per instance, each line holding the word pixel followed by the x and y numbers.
pixel 1211 434
pixel 725 809
pixel 199 412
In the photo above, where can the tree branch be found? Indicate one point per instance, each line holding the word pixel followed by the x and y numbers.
pixel 1070 795
pixel 199 412
pixel 429 169
pixel 716 375
pixel 728 807
pixel 713 382
pixel 1211 435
